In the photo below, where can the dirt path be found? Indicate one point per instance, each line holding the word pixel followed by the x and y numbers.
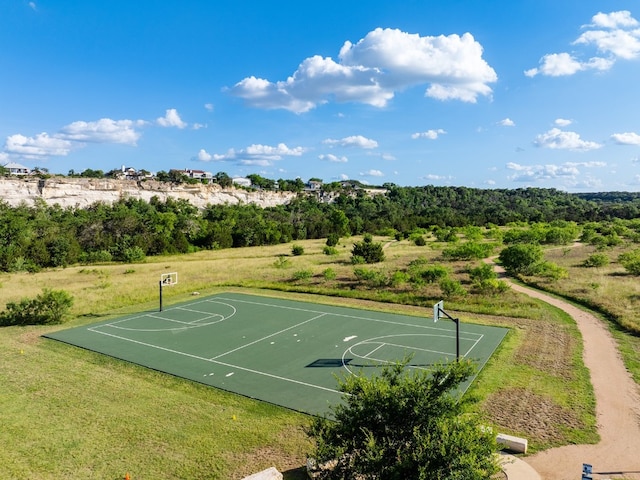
pixel 617 408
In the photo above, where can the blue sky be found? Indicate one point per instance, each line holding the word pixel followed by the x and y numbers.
pixel 500 94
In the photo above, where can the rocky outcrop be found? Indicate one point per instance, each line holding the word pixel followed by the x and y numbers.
pixel 82 192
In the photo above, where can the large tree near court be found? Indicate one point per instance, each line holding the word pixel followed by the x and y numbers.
pixel 404 423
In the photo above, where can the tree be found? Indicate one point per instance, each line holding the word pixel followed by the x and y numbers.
pixel 368 250
pixel 521 258
pixel 404 423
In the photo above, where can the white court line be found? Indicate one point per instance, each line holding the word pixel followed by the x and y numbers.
pixel 347 316
pixel 268 336
pixel 374 350
pixel 224 364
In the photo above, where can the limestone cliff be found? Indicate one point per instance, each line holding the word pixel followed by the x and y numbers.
pixel 82 192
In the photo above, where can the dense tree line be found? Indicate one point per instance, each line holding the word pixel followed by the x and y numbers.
pixel 33 237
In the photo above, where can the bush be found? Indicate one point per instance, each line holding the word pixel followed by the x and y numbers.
pixel 47 308
pixel 297 250
pixel 521 258
pixel 482 272
pixel 333 239
pixel 370 251
pixel 282 262
pixel 490 286
pixel 327 250
pixel 430 274
pixel 300 275
pixel 468 251
pixel 631 261
pixel 329 274
pixel 401 424
pixel 420 241
pixel 372 278
pixel 451 288
pixel 596 260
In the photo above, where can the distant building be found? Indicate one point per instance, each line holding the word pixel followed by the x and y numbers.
pixel 241 181
pixel 197 174
pixel 314 185
pixel 17 169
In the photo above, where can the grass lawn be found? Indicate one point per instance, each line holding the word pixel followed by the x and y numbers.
pixel 69 412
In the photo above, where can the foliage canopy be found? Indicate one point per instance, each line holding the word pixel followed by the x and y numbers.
pixel 404 423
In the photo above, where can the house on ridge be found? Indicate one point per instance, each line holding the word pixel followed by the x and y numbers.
pixel 17 169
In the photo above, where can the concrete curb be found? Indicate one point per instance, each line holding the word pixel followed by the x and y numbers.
pixel 517 469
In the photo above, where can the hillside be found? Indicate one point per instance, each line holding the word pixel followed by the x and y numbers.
pixel 82 192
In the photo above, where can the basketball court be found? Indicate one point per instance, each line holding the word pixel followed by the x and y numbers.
pixel 285 352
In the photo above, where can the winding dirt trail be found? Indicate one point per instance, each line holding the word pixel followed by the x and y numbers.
pixel 617 455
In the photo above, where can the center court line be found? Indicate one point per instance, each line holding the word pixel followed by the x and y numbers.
pixel 224 364
pixel 268 336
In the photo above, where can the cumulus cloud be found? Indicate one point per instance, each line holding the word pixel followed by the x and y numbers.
pixel 507 122
pixel 254 155
pixel 171 119
pixel 104 130
pixel 352 141
pixel 39 146
pixel 627 138
pixel 373 69
pixel 562 140
pixel 372 173
pixel 430 134
pixel 614 35
pixel 333 158
pixel 204 156
pixel 533 173
pixel 562 122
pixel 433 176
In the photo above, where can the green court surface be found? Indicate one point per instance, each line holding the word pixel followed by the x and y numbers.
pixel 285 352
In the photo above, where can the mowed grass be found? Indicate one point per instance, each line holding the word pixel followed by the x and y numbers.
pixel 69 412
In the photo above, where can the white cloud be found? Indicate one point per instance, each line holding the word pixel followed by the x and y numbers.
pixel 353 141
pixel 507 122
pixel 332 158
pixel 627 138
pixel 209 107
pixel 33 6
pixel 430 134
pixel 373 69
pixel 256 154
pixel 559 139
pixel 104 130
pixel 40 146
pixel 614 35
pixel 372 173
pixel 171 119
pixel 432 176
pixel 344 176
pixel 204 156
pixel 532 173
pixel 562 122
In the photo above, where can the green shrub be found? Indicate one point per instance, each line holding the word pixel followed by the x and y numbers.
pixel 329 274
pixel 430 274
pixel 482 272
pixel 282 262
pixel 333 239
pixel 468 251
pixel 297 250
pixel 299 275
pixel 49 307
pixel 370 251
pixel 490 286
pixel 373 278
pixel 451 288
pixel 596 260
pixel 521 258
pixel 630 261
pixel 420 241
pixel 327 250
pixel 133 255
